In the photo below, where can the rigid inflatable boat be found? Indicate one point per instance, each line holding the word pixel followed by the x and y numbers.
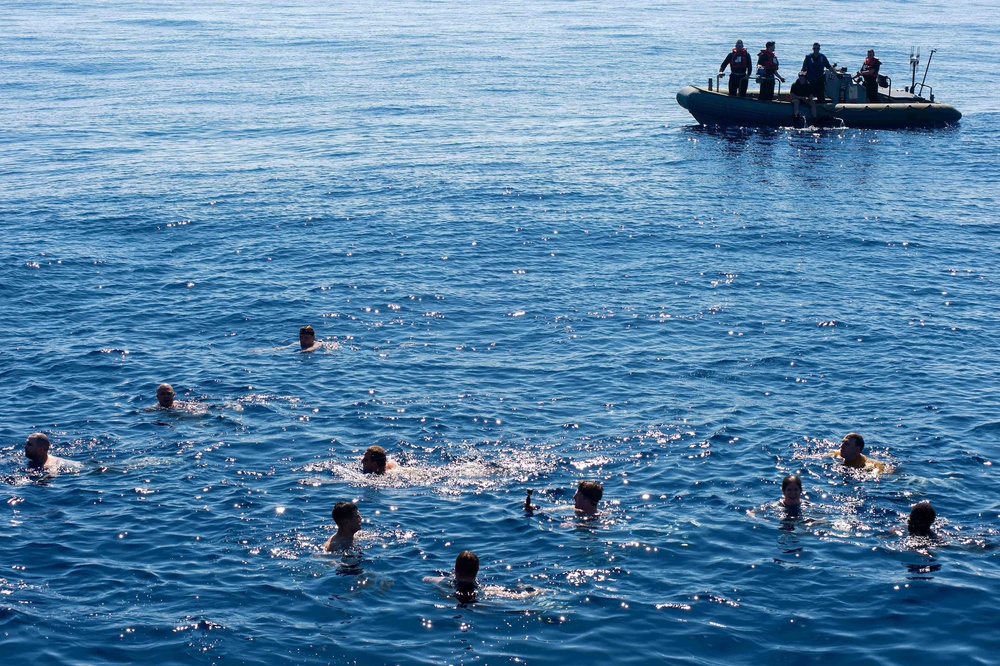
pixel 845 105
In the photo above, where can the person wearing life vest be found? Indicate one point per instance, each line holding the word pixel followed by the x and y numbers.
pixel 767 71
pixel 869 75
pixel 738 61
pixel 814 64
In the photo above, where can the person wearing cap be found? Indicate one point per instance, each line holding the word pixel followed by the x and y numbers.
pixel 767 63
pixel 869 75
pixel 814 64
pixel 738 61
pixel 801 91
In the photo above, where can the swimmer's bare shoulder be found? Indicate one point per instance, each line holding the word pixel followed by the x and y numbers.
pixel 333 544
pixel 878 465
pixel 55 464
pixel 500 592
pixel 863 462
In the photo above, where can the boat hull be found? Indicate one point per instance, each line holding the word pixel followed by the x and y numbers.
pixel 716 108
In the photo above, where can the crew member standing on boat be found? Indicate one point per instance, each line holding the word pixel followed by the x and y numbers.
pixel 739 69
pixel 869 75
pixel 814 64
pixel 767 64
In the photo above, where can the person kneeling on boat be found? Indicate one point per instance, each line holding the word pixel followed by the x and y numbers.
pixel 767 64
pixel 802 91
pixel 869 75
pixel 738 61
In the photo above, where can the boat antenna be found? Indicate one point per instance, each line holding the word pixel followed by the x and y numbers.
pixel 914 61
pixel 925 70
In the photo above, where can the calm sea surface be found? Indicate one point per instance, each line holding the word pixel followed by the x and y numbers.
pixel 532 267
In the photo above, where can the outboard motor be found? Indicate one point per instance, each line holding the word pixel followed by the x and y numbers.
pixel 842 89
pixel 835 87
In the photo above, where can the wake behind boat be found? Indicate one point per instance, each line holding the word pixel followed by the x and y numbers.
pixel 846 105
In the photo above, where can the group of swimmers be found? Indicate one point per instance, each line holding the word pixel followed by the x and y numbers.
pixel 922 514
pixel 348 520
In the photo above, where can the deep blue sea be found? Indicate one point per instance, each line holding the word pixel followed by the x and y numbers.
pixel 531 267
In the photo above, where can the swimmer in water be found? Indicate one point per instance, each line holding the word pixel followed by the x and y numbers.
pixel 850 451
pixel 36 449
pixel 588 494
pixel 922 516
pixel 466 570
pixel 376 462
pixel 307 340
pixel 165 395
pixel 791 492
pixel 348 520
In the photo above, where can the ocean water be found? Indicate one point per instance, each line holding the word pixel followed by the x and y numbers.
pixel 531 267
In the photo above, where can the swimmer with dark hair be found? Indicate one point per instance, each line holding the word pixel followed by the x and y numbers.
pixel 165 395
pixel 922 516
pixel 588 494
pixel 376 462
pixel 851 453
pixel 307 340
pixel 466 570
pixel 348 520
pixel 36 450
pixel 791 492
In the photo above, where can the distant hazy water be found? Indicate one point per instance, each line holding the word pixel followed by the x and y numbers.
pixel 538 269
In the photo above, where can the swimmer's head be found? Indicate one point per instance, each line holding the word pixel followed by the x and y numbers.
pixel 852 446
pixel 588 494
pixel 307 337
pixel 347 516
pixel 374 460
pixel 466 567
pixel 922 516
pixel 165 395
pixel 36 448
pixel 791 490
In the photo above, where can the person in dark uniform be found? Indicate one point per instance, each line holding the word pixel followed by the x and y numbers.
pixel 869 75
pixel 800 92
pixel 767 63
pixel 814 64
pixel 738 61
